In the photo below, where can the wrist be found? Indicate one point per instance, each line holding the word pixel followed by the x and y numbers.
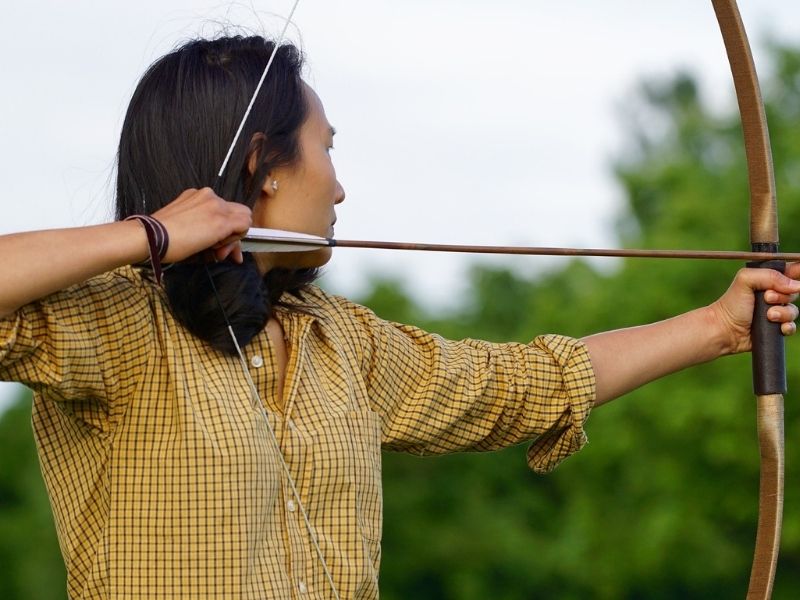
pixel 720 342
pixel 157 242
pixel 136 248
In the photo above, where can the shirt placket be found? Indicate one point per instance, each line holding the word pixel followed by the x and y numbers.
pixel 295 446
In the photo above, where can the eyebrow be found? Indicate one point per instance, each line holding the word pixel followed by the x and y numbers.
pixel 332 131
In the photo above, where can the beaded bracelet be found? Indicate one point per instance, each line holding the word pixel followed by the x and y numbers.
pixel 157 242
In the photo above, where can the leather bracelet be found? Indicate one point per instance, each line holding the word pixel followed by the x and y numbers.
pixel 157 242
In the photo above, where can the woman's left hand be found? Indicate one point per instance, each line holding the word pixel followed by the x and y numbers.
pixel 734 310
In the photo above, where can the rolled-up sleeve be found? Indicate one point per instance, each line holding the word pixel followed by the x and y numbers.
pixel 437 396
pixel 573 396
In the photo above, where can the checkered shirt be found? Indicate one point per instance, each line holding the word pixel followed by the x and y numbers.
pixel 162 477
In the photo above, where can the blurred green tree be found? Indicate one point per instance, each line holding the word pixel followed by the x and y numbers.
pixel 30 561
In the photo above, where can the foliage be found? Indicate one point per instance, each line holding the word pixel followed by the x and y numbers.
pixel 30 561
pixel 663 502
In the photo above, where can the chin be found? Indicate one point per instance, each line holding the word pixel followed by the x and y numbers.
pixel 303 260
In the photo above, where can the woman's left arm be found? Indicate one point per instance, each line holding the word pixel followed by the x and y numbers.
pixel 628 358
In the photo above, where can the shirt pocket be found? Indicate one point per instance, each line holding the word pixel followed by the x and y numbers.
pixel 366 426
pixel 347 474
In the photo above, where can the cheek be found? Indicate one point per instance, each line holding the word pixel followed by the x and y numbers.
pixel 324 173
pixel 287 211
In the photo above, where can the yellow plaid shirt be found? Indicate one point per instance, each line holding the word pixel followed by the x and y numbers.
pixel 161 474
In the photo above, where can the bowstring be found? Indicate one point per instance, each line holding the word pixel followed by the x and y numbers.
pixel 249 108
pixel 256 397
pixel 261 407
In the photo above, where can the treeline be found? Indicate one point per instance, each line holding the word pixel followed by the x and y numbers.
pixel 663 502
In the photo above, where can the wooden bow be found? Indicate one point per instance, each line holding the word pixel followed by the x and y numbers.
pixel 769 365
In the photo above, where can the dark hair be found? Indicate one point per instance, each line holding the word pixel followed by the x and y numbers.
pixel 180 122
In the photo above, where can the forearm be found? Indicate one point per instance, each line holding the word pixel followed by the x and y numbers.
pixel 38 263
pixel 625 359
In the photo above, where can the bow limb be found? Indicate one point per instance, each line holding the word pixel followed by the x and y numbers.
pixel 769 368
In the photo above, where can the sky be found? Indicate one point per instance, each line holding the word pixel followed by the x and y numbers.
pixel 458 121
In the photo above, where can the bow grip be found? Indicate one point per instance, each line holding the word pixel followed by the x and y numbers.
pixel 769 363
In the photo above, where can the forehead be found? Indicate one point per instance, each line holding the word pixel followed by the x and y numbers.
pixel 316 111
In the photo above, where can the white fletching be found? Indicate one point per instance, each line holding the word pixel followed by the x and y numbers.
pixel 275 240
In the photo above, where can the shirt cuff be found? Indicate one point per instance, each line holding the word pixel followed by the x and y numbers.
pixel 567 435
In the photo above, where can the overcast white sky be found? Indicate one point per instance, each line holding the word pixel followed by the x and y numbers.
pixel 459 121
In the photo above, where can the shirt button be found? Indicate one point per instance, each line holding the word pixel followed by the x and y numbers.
pixel 301 587
pixel 290 506
pixel 257 361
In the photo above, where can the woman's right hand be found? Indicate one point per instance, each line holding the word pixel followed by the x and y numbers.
pixel 38 263
pixel 199 220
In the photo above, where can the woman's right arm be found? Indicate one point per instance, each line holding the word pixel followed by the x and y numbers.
pixel 39 263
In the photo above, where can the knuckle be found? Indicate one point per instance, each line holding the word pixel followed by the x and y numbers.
pixel 208 194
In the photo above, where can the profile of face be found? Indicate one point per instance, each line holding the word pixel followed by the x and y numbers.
pixel 306 193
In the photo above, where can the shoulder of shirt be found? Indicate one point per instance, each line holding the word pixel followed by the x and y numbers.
pixel 319 303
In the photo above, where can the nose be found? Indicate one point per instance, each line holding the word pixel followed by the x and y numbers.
pixel 339 198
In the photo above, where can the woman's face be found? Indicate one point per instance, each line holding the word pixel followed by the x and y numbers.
pixel 307 193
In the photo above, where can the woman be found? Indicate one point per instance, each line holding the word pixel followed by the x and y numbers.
pixel 177 470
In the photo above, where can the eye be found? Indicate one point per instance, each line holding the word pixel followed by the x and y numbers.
pixel 332 132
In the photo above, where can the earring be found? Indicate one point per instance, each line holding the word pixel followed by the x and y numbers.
pixel 274 185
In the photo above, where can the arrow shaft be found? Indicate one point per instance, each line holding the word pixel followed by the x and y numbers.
pixel 279 243
pixel 555 251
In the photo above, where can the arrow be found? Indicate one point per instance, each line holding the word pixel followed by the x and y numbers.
pixel 274 240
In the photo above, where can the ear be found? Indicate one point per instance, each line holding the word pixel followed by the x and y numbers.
pixel 267 189
pixel 270 187
pixel 253 151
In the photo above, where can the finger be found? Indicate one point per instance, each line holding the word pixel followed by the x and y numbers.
pixel 773 297
pixel 232 251
pixel 242 219
pixel 228 250
pixel 782 314
pixel 788 328
pixel 237 255
pixel 768 279
pixel 793 270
